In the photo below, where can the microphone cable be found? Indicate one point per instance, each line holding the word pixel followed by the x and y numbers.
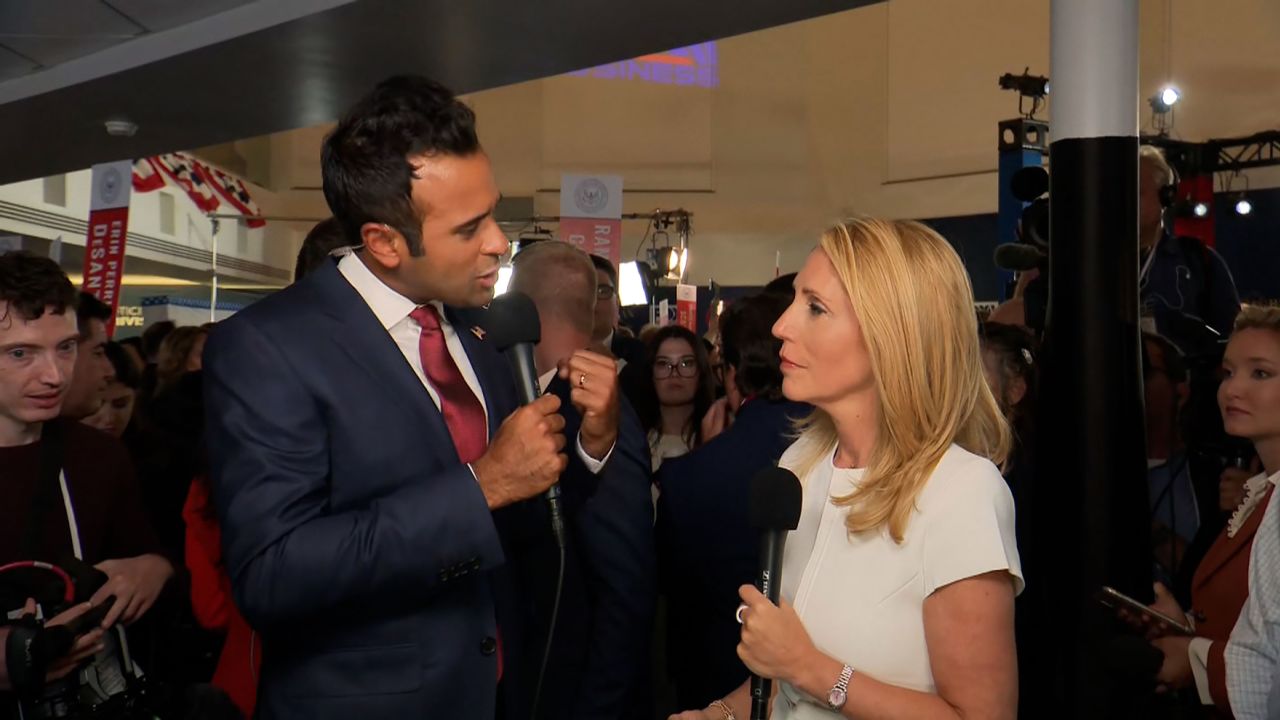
pixel 558 529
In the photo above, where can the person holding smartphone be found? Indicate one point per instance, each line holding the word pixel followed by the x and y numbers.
pixel 1249 399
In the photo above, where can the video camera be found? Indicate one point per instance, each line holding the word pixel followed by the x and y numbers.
pixel 32 646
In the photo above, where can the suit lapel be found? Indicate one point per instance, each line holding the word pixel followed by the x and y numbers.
pixel 361 336
pixel 1221 553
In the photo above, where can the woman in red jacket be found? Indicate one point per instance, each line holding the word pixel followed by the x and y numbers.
pixel 212 603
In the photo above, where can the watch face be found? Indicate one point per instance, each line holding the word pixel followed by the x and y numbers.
pixel 836 698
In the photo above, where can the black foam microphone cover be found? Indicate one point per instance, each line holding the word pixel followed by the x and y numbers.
pixel 1029 183
pixel 514 328
pixel 512 319
pixel 774 502
pixel 1018 257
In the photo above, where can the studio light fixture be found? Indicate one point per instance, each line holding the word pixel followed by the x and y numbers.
pixel 631 284
pixel 1242 203
pixel 1162 108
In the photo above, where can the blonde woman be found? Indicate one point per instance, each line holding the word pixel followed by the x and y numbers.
pixel 899 582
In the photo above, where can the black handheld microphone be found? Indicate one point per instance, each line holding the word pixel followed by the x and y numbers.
pixel 514 328
pixel 774 510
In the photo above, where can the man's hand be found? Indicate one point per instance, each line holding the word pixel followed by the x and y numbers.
pixel 135 583
pixel 1175 672
pixel 524 457
pixel 594 381
pixel 86 645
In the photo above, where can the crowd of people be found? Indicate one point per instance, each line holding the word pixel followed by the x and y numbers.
pixel 330 505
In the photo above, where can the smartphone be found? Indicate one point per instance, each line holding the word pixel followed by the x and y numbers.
pixel 1113 598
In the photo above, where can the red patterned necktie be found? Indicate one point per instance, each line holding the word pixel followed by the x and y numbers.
pixel 462 412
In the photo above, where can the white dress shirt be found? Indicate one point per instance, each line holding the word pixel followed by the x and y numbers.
pixel 392 310
pixel 1252 654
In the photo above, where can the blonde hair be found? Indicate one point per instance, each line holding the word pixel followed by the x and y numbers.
pixel 1155 156
pixel 912 297
pixel 1261 317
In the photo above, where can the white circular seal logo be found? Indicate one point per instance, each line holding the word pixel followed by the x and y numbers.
pixel 591 196
pixel 111 183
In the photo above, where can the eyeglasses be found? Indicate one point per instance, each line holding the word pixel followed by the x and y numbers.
pixel 605 292
pixel 685 367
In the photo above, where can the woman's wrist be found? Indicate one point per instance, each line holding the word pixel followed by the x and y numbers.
pixel 720 710
pixel 816 675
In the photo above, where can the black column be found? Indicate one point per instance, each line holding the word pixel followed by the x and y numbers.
pixel 1090 499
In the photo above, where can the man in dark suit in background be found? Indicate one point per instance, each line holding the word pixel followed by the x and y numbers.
pixel 360 432
pixel 605 328
pixel 706 548
pixel 601 637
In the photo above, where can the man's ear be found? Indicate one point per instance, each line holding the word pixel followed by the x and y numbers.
pixel 383 244
pixel 1015 390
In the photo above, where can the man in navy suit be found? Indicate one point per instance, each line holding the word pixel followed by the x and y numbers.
pixel 706 548
pixel 361 431
pixel 600 648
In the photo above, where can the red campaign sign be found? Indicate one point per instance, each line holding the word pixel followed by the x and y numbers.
pixel 595 236
pixel 687 306
pixel 104 257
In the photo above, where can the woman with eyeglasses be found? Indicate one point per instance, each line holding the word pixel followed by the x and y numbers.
pixel 679 395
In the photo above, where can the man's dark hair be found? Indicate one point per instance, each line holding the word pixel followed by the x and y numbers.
pixel 30 284
pixel 602 263
pixel 153 337
pixel 749 347
pixel 782 285
pixel 365 160
pixel 89 307
pixel 126 373
pixel 324 238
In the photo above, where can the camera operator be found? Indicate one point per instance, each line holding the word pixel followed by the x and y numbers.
pixel 1179 278
pixel 69 496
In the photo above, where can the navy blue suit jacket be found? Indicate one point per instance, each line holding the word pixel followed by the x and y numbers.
pixel 357 543
pixel 601 644
pixel 707 550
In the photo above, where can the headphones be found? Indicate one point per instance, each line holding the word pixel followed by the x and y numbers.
pixel 1169 193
